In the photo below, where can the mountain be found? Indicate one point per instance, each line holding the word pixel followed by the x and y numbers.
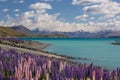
pixel 114 34
pixel 83 34
pixel 22 29
pixel 78 34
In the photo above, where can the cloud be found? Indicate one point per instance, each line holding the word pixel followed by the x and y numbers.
pixel 16 15
pixel 5 10
pixel 38 18
pixel 52 0
pixel 48 0
pixel 40 6
pixel 43 21
pixel 86 2
pixel 16 10
pixel 21 1
pixel 109 8
pixel 92 18
pixel 106 8
pixel 81 17
pixel 33 20
pixel 3 0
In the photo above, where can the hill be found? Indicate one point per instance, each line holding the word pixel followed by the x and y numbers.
pixel 21 31
pixel 8 32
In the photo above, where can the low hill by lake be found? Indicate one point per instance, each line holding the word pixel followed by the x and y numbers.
pixel 17 32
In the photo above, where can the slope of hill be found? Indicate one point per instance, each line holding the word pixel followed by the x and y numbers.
pixel 22 29
pixel 24 32
pixel 8 32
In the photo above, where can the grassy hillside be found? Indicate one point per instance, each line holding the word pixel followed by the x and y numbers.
pixel 8 32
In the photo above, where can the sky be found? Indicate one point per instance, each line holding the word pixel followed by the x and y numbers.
pixel 62 15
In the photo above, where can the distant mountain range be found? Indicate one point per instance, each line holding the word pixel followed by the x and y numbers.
pixel 21 31
pixel 83 34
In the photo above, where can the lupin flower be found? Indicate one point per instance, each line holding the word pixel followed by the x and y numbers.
pixel 49 63
pixel 88 78
pixel 1 76
pixel 47 76
pixel 93 75
pixel 44 67
pixel 114 75
pixel 37 76
pixel 61 67
pixel 101 73
pixel 30 74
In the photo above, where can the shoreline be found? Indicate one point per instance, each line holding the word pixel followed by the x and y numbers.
pixel 50 55
pixel 40 51
pixel 7 44
pixel 23 50
pixel 36 47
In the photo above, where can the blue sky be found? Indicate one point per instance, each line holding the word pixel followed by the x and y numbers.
pixel 62 15
pixel 61 6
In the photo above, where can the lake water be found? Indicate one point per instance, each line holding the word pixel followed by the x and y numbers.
pixel 100 51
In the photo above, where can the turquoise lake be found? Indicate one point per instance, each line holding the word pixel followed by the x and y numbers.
pixel 100 51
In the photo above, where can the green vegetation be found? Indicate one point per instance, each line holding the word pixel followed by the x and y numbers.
pixel 8 32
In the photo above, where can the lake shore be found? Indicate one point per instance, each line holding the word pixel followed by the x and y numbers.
pixel 35 47
pixel 32 47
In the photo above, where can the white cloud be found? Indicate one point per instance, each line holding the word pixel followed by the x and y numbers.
pixel 2 23
pixel 81 17
pixel 40 6
pixel 16 10
pixel 43 21
pixel 92 18
pixel 3 0
pixel 21 1
pixel 52 0
pixel 16 15
pixel 33 20
pixel 86 2
pixel 5 10
pixel 106 8
pixel 48 0
pixel 103 13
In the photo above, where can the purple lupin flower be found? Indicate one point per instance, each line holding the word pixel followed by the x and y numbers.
pixel 93 75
